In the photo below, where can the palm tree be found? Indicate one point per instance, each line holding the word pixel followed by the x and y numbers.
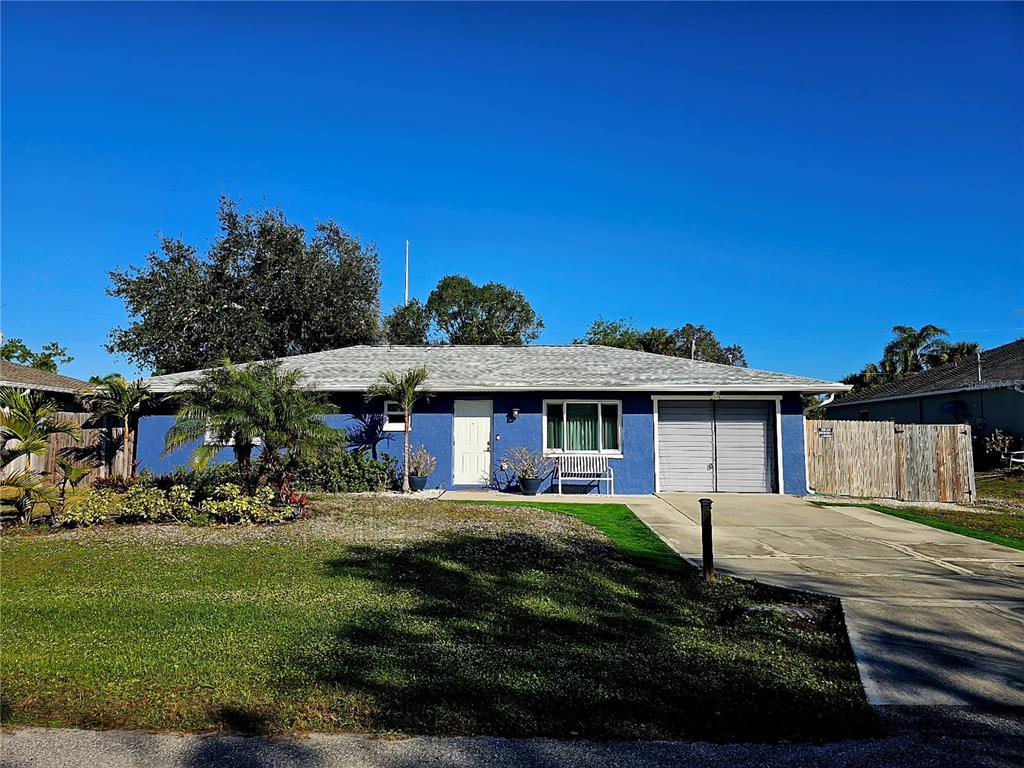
pixel 117 398
pixel 252 405
pixel 944 353
pixel 406 389
pixel 27 421
pixel 294 428
pixel 906 353
pixel 220 407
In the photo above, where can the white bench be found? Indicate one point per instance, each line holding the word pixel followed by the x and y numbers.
pixel 1013 457
pixel 585 466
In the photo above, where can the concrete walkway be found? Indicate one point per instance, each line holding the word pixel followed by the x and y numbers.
pixel 934 617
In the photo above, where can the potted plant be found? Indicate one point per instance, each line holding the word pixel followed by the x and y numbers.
pixel 531 468
pixel 421 466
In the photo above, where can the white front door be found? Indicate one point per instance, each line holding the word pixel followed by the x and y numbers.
pixel 473 442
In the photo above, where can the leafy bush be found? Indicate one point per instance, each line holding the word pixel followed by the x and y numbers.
pixel 180 500
pixel 421 463
pixel 94 507
pixel 346 472
pixel 229 505
pixel 201 482
pixel 150 504
pixel 140 504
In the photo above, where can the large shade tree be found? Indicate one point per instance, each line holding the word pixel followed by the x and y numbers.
pixel 408 324
pixel 458 311
pixel 46 359
pixel 263 289
pixel 493 313
pixel 691 341
pixel 406 388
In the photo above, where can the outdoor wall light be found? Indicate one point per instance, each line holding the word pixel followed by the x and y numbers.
pixel 513 415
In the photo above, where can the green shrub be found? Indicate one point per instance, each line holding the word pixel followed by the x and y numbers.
pixel 93 507
pixel 140 504
pixel 180 500
pixel 229 505
pixel 201 482
pixel 346 472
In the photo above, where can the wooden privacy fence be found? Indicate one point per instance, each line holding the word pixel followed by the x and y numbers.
pixel 880 459
pixel 99 447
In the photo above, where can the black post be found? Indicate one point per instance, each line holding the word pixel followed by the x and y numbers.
pixel 707 552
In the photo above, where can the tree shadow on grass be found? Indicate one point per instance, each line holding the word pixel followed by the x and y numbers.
pixel 524 635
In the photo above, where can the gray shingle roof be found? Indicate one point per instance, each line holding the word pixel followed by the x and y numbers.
pixel 13 375
pixel 575 368
pixel 1000 367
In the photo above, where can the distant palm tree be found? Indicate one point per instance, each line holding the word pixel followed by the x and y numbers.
pixel 406 389
pixel 945 353
pixel 906 353
pixel 27 421
pixel 117 398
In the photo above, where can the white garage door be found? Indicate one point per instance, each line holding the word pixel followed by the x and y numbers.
pixel 725 445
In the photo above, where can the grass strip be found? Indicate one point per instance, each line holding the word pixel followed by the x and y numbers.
pixel 928 518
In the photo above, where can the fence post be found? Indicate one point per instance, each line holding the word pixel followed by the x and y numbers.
pixel 707 553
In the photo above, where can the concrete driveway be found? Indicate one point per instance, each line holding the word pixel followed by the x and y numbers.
pixel 934 617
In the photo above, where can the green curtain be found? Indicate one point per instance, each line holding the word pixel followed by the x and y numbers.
pixel 610 427
pixel 581 427
pixel 555 431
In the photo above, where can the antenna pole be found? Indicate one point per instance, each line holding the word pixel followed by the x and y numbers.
pixel 406 271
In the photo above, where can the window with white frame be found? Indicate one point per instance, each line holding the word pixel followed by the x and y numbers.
pixel 583 426
pixel 394 416
pixel 212 439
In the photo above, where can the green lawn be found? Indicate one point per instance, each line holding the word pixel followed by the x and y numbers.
pixel 638 543
pixel 385 616
pixel 1002 487
pixel 1006 528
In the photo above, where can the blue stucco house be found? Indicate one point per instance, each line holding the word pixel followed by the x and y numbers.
pixel 663 423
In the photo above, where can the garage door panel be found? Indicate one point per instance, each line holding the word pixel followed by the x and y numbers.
pixel 744 443
pixel 686 446
pixel 726 446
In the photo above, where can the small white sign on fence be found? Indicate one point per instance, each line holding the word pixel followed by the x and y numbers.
pixel 825 432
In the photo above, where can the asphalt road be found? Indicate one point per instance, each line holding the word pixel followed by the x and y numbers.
pixel 915 738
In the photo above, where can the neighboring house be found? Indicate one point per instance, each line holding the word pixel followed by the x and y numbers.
pixel 62 389
pixel 664 423
pixel 988 394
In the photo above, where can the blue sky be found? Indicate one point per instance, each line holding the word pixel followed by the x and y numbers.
pixel 798 178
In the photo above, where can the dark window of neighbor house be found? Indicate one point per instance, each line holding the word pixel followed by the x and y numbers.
pixel 864 416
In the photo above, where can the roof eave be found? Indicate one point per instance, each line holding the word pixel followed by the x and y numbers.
pixel 1008 384
pixel 823 388
pixel 41 387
